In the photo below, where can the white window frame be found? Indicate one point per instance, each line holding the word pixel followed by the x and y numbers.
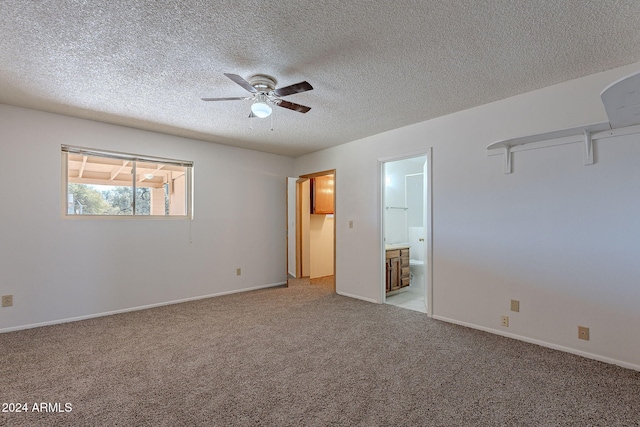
pixel 188 165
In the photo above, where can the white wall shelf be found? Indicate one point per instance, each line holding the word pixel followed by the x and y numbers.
pixel 557 137
pixel 584 134
pixel 621 100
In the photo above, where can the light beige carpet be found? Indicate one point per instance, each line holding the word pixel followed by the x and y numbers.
pixel 301 356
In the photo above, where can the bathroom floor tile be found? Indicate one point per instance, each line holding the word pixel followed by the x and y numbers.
pixel 407 300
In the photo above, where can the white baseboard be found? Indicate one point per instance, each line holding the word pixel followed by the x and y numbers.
pixel 542 343
pixel 344 294
pixel 142 307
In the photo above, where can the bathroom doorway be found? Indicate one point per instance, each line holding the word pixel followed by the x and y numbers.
pixel 406 233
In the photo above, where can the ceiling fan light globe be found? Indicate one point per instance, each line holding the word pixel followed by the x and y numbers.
pixel 261 109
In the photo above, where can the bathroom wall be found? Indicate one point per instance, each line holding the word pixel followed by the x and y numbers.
pixel 414 187
pixel 396 220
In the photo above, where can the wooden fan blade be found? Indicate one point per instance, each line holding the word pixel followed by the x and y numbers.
pixel 293 106
pixel 296 88
pixel 242 82
pixel 236 98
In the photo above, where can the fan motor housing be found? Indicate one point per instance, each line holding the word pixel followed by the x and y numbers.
pixel 263 82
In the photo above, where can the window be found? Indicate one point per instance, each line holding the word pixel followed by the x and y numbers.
pixel 97 182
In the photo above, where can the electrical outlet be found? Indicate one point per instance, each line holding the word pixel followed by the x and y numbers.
pixel 7 300
pixel 238 272
pixel 583 333
pixel 504 321
pixel 350 224
pixel 515 305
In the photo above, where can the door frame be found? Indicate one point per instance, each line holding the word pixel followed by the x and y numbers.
pixel 299 182
pixel 428 223
pixel 295 190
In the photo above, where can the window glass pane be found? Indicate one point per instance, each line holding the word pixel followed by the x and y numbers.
pixel 119 198
pixel 98 185
pixel 160 189
pixel 87 199
pixel 150 188
pixel 105 185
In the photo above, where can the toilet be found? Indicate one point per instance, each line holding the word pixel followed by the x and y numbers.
pixel 416 263
pixel 416 267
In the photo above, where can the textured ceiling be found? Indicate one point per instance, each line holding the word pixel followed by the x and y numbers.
pixel 374 65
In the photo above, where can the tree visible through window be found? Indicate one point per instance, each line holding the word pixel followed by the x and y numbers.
pixel 108 183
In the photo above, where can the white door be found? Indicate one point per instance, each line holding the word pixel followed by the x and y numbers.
pixel 291 227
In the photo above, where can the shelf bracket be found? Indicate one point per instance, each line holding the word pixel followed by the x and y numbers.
pixel 507 159
pixel 588 148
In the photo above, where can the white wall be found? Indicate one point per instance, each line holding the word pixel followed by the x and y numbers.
pixel 320 245
pixel 561 237
pixel 59 268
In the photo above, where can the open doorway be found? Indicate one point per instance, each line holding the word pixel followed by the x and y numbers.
pixel 311 229
pixel 406 233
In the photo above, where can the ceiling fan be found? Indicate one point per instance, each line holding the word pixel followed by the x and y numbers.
pixel 265 94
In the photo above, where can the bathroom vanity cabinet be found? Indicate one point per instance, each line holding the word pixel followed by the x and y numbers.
pixel 397 269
